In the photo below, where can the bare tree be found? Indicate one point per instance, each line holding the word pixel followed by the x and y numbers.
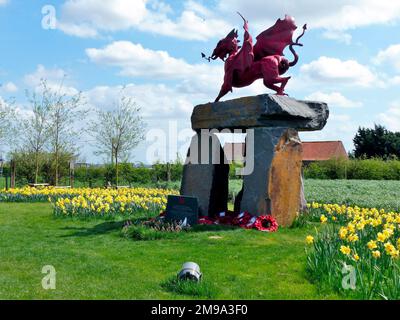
pixel 118 131
pixel 35 128
pixel 6 119
pixel 64 111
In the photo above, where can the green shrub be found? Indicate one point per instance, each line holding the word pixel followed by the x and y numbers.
pixel 359 169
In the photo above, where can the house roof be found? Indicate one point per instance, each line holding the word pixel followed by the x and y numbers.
pixel 312 151
pixel 323 150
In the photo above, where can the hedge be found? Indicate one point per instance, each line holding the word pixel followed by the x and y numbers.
pixel 360 169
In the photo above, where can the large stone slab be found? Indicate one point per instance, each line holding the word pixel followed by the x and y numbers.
pixel 261 111
pixel 275 186
pixel 206 174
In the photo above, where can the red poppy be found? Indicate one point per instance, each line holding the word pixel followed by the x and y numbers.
pixel 266 223
pixel 205 220
pixel 242 219
pixel 225 218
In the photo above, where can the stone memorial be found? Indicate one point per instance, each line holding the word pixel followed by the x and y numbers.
pixel 180 208
pixel 274 184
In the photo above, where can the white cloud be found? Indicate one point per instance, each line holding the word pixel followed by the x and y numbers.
pixel 331 15
pixel 394 81
pixel 84 18
pixel 391 118
pixel 3 2
pixel 9 87
pixel 194 23
pixel 89 18
pixel 56 79
pixel 338 36
pixel 335 99
pixel 156 100
pixel 333 70
pixel 197 80
pixel 390 56
pixel 134 60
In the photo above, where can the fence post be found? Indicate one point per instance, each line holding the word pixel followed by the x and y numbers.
pixel 71 174
pixel 13 173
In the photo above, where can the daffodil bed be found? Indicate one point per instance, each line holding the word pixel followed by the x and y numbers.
pixel 356 251
pixel 93 202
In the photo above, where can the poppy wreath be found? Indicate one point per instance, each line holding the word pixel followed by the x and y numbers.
pixel 225 218
pixel 242 219
pixel 266 224
pixel 206 220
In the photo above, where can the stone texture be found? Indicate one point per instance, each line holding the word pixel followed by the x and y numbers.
pixel 261 111
pixel 275 185
pixel 285 183
pixel 206 174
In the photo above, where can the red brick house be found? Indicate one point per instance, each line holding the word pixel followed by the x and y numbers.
pixel 323 150
pixel 312 151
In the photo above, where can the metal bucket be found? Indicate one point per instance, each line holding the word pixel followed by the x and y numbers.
pixel 190 271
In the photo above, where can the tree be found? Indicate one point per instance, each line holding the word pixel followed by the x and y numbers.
pixel 64 111
pixel 6 119
pixel 118 131
pixel 377 142
pixel 35 129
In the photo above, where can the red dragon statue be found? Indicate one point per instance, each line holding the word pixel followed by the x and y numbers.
pixel 264 60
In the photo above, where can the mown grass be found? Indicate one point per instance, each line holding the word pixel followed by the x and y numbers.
pixel 93 261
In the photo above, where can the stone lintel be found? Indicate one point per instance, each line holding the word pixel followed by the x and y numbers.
pixel 261 111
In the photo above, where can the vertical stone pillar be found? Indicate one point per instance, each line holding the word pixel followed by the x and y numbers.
pixel 206 174
pixel 275 185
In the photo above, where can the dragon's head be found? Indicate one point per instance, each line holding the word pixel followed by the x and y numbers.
pixel 226 46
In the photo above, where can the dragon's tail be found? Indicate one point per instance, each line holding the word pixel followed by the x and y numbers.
pixel 296 57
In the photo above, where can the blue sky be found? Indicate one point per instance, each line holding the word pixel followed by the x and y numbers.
pixel 350 58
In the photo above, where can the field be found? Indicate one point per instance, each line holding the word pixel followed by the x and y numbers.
pixel 93 260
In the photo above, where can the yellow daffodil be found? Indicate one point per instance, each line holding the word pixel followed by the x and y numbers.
pixel 376 254
pixel 345 250
pixel 372 245
pixel 309 239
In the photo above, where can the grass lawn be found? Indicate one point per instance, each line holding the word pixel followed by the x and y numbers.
pixel 93 261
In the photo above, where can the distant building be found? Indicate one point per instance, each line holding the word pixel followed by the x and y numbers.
pixel 323 150
pixel 312 151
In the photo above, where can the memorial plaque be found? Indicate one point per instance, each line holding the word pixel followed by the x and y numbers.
pixel 181 207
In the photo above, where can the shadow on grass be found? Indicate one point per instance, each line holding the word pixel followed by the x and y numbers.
pixel 201 289
pixel 140 232
pixel 212 227
pixel 102 228
pixel 145 233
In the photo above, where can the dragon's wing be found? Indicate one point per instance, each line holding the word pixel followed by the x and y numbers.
pixel 275 39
